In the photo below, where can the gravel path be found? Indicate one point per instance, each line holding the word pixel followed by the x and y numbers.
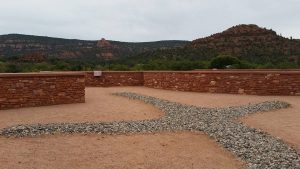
pixel 256 148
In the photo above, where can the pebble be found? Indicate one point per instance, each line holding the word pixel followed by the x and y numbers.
pixel 258 149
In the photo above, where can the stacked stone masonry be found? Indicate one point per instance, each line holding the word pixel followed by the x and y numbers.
pixel 254 82
pixel 40 89
pixel 233 82
pixel 109 79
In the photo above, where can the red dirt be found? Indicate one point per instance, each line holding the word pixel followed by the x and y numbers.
pixel 284 124
pixel 280 123
pixel 100 106
pixel 164 150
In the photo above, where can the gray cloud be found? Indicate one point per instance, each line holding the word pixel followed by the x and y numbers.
pixel 144 20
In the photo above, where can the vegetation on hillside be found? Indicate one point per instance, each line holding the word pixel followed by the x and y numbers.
pixel 219 62
pixel 239 47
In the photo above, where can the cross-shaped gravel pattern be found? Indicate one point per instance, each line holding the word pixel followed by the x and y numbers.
pixel 258 149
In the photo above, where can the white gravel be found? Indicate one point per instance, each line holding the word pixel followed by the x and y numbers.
pixel 258 149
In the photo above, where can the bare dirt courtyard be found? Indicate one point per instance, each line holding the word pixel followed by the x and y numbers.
pixel 160 150
pixel 166 150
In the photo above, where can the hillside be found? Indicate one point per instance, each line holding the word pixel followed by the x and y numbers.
pixel 251 43
pixel 38 48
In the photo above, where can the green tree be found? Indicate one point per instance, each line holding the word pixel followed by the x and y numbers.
pixel 2 67
pixel 119 67
pixel 138 67
pixel 13 68
pixel 61 65
pixel 225 61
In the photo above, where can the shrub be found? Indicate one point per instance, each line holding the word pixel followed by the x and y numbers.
pixel 13 68
pixel 225 61
pixel 2 67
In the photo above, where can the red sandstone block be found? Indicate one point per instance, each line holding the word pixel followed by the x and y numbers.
pixel 37 91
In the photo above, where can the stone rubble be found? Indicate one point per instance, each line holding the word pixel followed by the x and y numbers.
pixel 258 149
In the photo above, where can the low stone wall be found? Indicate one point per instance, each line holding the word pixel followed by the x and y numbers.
pixel 258 82
pixel 41 89
pixel 114 78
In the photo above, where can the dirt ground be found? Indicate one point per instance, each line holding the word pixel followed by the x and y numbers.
pixel 284 124
pixel 151 151
pixel 162 150
pixel 100 106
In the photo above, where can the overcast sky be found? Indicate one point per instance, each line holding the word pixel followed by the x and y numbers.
pixel 145 20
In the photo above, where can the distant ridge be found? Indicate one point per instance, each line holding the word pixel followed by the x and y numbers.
pixel 34 48
pixel 251 42
pixel 247 42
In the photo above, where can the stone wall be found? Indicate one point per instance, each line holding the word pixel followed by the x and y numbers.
pixel 41 89
pixel 115 78
pixel 259 82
